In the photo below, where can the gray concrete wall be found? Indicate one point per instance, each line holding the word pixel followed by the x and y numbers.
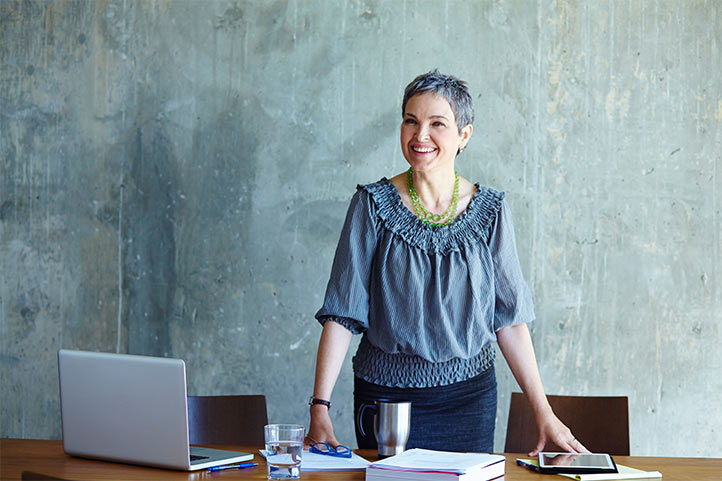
pixel 174 175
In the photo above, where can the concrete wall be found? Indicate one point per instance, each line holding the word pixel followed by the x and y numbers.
pixel 174 176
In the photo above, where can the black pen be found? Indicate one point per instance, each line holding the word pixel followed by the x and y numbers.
pixel 233 466
pixel 523 464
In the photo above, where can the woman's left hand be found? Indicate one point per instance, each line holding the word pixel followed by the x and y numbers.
pixel 551 429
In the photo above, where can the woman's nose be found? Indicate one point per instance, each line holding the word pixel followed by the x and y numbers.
pixel 422 133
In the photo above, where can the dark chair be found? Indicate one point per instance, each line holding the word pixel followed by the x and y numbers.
pixel 601 424
pixel 227 420
pixel 33 476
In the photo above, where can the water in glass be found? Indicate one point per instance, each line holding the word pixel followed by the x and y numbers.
pixel 284 459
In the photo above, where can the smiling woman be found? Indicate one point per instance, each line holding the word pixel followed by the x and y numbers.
pixel 427 270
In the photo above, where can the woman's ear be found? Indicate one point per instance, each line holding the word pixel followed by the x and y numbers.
pixel 465 136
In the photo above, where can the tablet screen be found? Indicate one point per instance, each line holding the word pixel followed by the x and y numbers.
pixel 577 463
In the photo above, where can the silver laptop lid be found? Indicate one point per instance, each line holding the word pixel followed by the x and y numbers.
pixel 124 408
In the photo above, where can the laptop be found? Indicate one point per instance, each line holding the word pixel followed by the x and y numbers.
pixel 130 409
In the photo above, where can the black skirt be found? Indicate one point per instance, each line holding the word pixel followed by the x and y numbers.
pixel 458 417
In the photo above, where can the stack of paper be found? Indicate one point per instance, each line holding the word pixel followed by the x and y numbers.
pixel 428 465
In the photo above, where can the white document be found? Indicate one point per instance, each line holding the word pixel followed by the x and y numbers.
pixel 323 462
pixel 625 472
pixel 429 460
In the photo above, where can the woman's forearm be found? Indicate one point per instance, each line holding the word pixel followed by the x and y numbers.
pixel 515 343
pixel 518 350
pixel 332 349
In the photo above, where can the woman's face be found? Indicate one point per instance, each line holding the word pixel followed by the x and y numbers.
pixel 430 137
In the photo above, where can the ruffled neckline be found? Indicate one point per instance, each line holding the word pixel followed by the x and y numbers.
pixel 470 226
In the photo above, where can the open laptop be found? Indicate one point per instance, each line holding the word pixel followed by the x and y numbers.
pixel 130 409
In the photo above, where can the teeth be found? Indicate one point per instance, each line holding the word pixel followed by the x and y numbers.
pixel 423 149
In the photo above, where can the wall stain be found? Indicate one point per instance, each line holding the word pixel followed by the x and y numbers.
pixel 150 250
pixel 232 19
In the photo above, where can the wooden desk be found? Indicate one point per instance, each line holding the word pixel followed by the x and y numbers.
pixel 46 458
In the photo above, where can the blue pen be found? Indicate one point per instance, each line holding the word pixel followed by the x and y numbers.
pixel 233 466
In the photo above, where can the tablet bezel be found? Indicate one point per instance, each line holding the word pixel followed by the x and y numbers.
pixel 557 469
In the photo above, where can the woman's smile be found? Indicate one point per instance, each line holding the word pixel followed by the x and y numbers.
pixel 422 149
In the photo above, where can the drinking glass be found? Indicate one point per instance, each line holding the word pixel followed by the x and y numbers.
pixel 284 446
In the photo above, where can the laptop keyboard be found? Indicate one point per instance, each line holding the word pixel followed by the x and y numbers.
pixel 195 457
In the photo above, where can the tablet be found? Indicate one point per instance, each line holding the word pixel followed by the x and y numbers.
pixel 571 463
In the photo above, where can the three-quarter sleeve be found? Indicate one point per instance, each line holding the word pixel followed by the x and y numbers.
pixel 513 303
pixel 347 293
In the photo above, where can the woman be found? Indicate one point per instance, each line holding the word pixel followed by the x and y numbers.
pixel 426 269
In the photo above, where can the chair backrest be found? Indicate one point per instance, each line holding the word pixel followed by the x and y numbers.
pixel 601 424
pixel 33 476
pixel 227 420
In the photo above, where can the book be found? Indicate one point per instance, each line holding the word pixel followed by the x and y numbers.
pixel 625 472
pixel 429 465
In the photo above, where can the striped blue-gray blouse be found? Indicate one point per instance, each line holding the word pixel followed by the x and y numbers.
pixel 428 300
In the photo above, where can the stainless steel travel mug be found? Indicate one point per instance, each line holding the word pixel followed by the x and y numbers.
pixel 392 424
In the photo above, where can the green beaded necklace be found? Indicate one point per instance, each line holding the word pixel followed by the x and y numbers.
pixel 434 220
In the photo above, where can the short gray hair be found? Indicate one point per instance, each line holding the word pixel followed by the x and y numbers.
pixel 450 88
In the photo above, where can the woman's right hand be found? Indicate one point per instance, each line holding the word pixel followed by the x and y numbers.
pixel 321 428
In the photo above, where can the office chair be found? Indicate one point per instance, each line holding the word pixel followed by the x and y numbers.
pixel 601 424
pixel 227 420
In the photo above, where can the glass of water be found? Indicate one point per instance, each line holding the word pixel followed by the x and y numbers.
pixel 284 446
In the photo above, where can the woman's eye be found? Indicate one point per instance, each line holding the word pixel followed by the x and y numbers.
pixel 438 124
pixel 409 121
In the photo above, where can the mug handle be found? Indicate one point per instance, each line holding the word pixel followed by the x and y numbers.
pixel 360 415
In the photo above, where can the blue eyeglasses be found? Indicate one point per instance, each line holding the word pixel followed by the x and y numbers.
pixel 325 448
